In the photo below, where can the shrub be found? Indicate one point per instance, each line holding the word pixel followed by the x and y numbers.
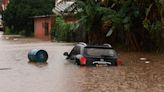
pixel 64 31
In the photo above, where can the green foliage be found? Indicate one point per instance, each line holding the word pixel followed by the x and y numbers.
pixel 127 18
pixel 156 26
pixel 87 15
pixel 20 13
pixel 152 22
pixel 8 31
pixel 23 32
pixel 63 31
pixel 124 18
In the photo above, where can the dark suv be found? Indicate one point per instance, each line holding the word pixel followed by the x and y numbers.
pixel 83 54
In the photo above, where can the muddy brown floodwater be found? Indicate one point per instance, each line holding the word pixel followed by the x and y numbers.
pixel 59 75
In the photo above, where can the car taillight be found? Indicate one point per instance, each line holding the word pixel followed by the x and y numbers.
pixel 118 61
pixel 83 60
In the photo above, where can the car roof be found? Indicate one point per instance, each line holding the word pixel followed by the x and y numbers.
pixel 98 46
pixel 106 46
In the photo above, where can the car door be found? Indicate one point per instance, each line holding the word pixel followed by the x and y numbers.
pixel 75 51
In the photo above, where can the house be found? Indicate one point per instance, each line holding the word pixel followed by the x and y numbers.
pixel 43 25
pixel 67 9
pixel 4 4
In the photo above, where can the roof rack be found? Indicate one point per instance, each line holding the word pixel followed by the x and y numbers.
pixel 82 43
pixel 108 45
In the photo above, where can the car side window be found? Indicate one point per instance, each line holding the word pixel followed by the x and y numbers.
pixel 75 51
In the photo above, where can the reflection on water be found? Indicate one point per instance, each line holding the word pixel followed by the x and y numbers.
pixel 38 64
pixel 59 75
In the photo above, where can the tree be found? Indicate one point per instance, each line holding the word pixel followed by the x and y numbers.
pixel 19 14
pixel 91 18
pixel 127 17
pixel 151 13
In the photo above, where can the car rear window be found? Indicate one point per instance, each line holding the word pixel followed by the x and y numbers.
pixel 99 52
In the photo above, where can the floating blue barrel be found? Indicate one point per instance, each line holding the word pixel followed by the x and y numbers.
pixel 38 55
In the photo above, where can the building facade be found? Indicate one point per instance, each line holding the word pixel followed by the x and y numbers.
pixel 43 26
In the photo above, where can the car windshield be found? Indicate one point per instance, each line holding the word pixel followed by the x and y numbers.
pixel 97 52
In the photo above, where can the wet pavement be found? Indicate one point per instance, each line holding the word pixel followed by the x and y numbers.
pixel 17 74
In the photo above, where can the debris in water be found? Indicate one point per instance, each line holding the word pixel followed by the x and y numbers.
pixel 7 38
pixel 147 62
pixel 15 39
pixel 143 59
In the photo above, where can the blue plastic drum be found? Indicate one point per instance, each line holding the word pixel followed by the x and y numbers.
pixel 36 55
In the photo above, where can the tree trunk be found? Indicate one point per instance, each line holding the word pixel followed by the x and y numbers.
pixel 95 34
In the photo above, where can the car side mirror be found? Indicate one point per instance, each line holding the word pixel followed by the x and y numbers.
pixel 65 54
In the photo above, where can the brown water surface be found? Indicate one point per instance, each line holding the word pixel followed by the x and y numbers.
pixel 17 74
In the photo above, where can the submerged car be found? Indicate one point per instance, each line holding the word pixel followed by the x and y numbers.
pixel 83 54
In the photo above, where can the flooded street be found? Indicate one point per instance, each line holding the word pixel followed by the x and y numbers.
pixel 59 75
